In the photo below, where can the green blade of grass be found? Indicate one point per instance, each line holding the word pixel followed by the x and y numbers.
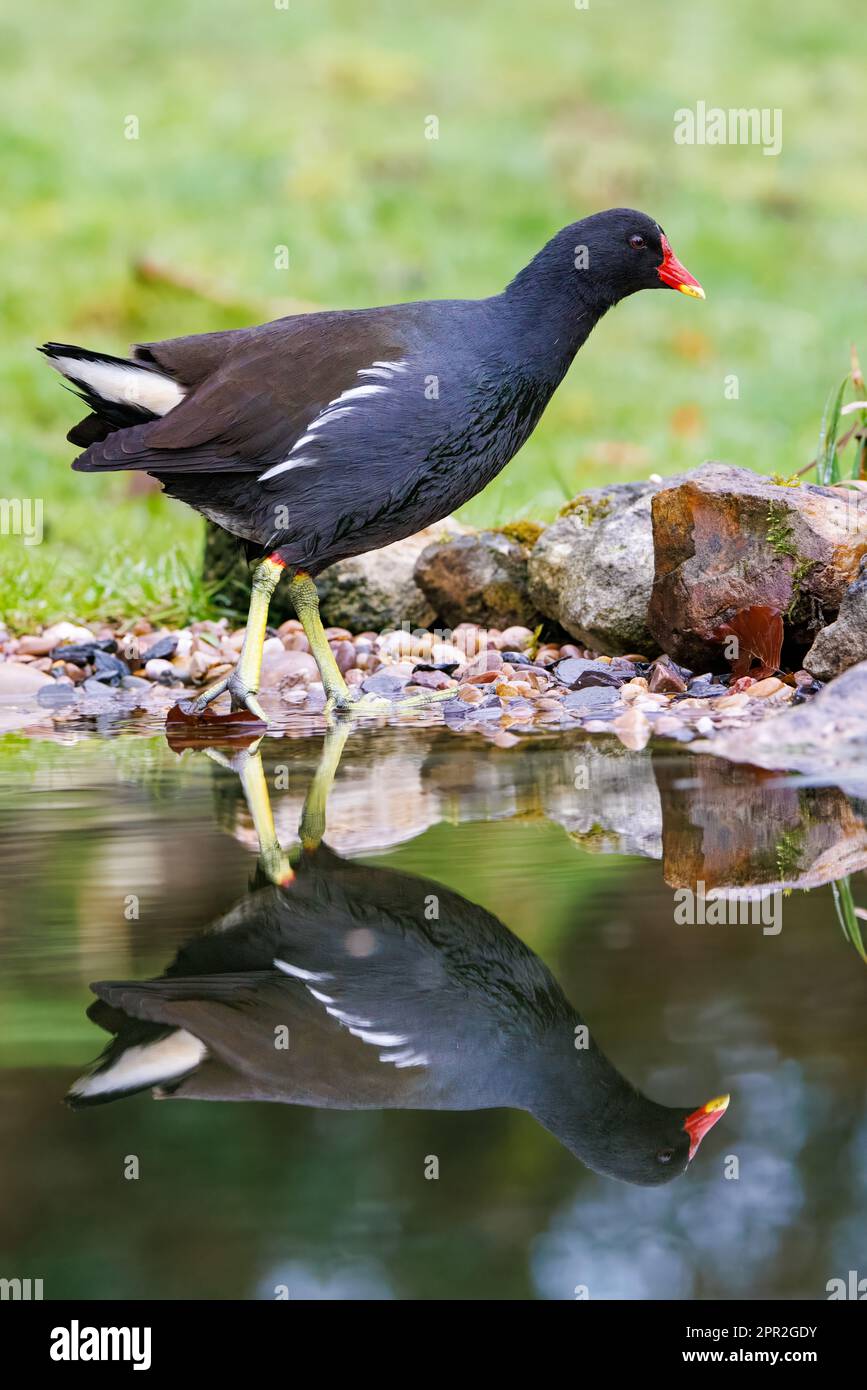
pixel 827 462
pixel 844 902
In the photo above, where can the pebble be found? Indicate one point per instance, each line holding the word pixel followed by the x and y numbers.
pixel 761 690
pixel 163 647
pixel 633 729
pixel 519 638
pixel 158 670
pixel 732 702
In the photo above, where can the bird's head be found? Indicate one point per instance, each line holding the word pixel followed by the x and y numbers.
pixel 627 251
pixel 634 1139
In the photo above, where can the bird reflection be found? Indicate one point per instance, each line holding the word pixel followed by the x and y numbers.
pixel 336 985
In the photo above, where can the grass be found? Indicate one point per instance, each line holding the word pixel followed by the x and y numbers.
pixel 304 128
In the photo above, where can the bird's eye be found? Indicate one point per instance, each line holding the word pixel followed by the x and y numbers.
pixel 637 242
pixel 664 1155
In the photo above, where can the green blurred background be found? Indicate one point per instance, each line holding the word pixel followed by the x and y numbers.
pixel 304 127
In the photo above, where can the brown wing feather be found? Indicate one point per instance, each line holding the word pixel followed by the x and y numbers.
pixel 254 391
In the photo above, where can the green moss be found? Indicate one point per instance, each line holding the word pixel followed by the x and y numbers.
pixel 780 535
pixel 788 853
pixel 587 508
pixel 525 533
pixel 799 574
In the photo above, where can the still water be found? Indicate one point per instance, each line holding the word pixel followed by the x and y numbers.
pixel 439 1042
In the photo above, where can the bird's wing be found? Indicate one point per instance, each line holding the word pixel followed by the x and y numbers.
pixel 253 393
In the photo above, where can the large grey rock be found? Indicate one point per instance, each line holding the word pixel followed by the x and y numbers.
pixel 477 578
pixel 377 590
pixel 825 738
pixel 592 570
pixel 842 643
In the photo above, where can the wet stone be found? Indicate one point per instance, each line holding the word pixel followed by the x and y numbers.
pixel 384 684
pixel 578 673
pixel 591 699
pixel 164 647
pixel 57 696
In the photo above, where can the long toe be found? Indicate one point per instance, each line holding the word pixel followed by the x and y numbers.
pixel 207 697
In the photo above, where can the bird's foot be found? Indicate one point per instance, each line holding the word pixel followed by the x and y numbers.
pixel 344 705
pixel 426 697
pixel 243 696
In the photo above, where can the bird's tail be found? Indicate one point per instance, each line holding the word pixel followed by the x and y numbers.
pixel 119 391
pixel 137 1061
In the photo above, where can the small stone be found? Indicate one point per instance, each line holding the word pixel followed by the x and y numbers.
pixel 705 725
pixel 431 680
pixel 64 633
pixel 159 670
pixel 162 648
pixel 470 694
pixel 55 695
pixel 591 698
pixel 385 683
pixel 634 689
pixel 665 676
pixel 33 646
pixel 732 702
pixel 633 729
pixel 486 663
pixel 282 668
pixel 344 655
pixel 445 654
pixel 577 673
pixel 519 638
pixel 503 739
pixel 761 690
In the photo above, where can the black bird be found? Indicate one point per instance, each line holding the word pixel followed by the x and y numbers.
pixel 391 992
pixel 319 436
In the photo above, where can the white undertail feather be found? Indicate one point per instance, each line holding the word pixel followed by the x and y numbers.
pixel 123 385
pixel 149 1064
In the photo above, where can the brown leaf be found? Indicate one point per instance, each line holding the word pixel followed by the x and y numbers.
pixel 759 635
pixel 210 730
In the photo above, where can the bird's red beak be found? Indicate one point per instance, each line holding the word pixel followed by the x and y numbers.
pixel 700 1121
pixel 672 273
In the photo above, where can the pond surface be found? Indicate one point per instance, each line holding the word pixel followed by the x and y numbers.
pixel 494 1010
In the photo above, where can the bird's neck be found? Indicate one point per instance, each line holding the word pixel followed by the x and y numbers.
pixel 572 1086
pixel 553 305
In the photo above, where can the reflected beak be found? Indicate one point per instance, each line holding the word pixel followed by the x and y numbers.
pixel 675 275
pixel 700 1121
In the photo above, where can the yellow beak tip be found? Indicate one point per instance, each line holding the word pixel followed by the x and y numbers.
pixel 719 1103
pixel 694 291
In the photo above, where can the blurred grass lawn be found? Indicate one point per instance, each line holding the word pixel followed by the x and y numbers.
pixel 305 127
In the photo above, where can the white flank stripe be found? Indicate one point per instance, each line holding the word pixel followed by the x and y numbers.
pixel 334 410
pixel 299 973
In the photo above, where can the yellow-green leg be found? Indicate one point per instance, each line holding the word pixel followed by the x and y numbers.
pixel 242 682
pixel 305 600
pixel 312 825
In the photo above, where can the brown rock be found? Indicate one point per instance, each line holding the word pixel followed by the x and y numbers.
pixel 726 539
pixel 665 677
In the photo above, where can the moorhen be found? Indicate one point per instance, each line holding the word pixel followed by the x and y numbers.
pixel 322 435
pixel 387 1007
